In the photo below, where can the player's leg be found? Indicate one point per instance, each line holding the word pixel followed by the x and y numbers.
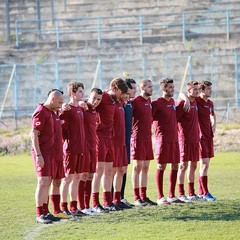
pixel 137 167
pixel 41 197
pixel 81 190
pixel 64 190
pixel 181 176
pixel 159 182
pixel 73 191
pixel 191 177
pixel 203 177
pixel 173 179
pixel 107 183
pixel 117 183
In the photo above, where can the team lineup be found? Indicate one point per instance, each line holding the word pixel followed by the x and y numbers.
pixel 78 146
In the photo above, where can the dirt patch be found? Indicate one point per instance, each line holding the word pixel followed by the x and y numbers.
pixel 227 140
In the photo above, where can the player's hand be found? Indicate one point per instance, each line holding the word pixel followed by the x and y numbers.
pixel 40 161
pixel 83 105
pixel 187 105
pixel 214 128
pixel 66 107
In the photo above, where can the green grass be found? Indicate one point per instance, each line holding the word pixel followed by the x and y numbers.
pixel 218 220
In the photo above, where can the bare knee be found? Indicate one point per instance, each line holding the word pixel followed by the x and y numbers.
pixel 183 167
pixel 56 183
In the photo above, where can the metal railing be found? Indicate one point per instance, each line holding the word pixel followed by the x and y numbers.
pixel 182 26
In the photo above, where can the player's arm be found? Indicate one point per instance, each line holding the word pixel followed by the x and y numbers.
pixel 154 108
pixel 213 122
pixel 64 116
pixel 186 105
pixel 35 143
pixel 179 110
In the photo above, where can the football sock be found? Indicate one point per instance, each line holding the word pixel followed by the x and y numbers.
pixel 87 193
pixel 172 182
pixel 95 199
pixel 81 189
pixel 191 191
pixel 181 190
pixel 143 193
pixel 55 198
pixel 136 194
pixel 159 182
pixel 123 185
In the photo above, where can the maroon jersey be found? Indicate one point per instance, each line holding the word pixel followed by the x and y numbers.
pixel 58 146
pixel 165 120
pixel 188 123
pixel 90 123
pixel 73 130
pixel 205 109
pixel 42 121
pixel 142 119
pixel 106 110
pixel 119 125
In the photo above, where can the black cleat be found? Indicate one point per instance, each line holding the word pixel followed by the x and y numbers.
pixel 99 209
pixel 43 219
pixel 52 218
pixel 123 205
pixel 112 208
pixel 149 202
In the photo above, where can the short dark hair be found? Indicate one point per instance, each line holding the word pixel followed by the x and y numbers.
pixel 118 83
pixel 55 90
pixel 165 82
pixel 204 84
pixel 97 90
pixel 129 81
pixel 73 87
pixel 191 84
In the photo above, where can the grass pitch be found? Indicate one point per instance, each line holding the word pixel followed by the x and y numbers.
pixel 218 220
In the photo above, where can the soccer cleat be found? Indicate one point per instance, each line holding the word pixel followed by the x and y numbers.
pixel 112 208
pixel 89 211
pixel 195 198
pixel 162 201
pixel 127 203
pixel 77 213
pixel 43 219
pixel 67 212
pixel 123 205
pixel 184 199
pixel 139 203
pixel 52 218
pixel 174 200
pixel 209 197
pixel 99 209
pixel 63 215
pixel 150 202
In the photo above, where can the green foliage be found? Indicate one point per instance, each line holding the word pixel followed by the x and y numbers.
pixel 218 220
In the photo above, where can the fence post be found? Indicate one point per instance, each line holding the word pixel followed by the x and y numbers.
pixel 183 28
pixel 99 31
pixel 121 66
pixel 141 29
pixel 57 75
pixel 65 5
pixel 57 33
pixel 39 17
pixel 144 66
pixel 35 81
pixel 236 77
pixel 190 69
pixel 16 98
pixel 52 10
pixel 78 68
pixel 228 25
pixel 8 21
pixel 16 29
pixel 100 74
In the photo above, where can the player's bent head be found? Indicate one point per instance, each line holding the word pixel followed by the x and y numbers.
pixel 192 84
pixel 129 82
pixel 73 87
pixel 97 91
pixel 204 84
pixel 119 84
pixel 164 83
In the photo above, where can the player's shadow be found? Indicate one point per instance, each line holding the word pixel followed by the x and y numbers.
pixel 212 211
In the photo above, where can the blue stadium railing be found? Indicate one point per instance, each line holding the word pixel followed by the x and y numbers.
pixel 185 26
